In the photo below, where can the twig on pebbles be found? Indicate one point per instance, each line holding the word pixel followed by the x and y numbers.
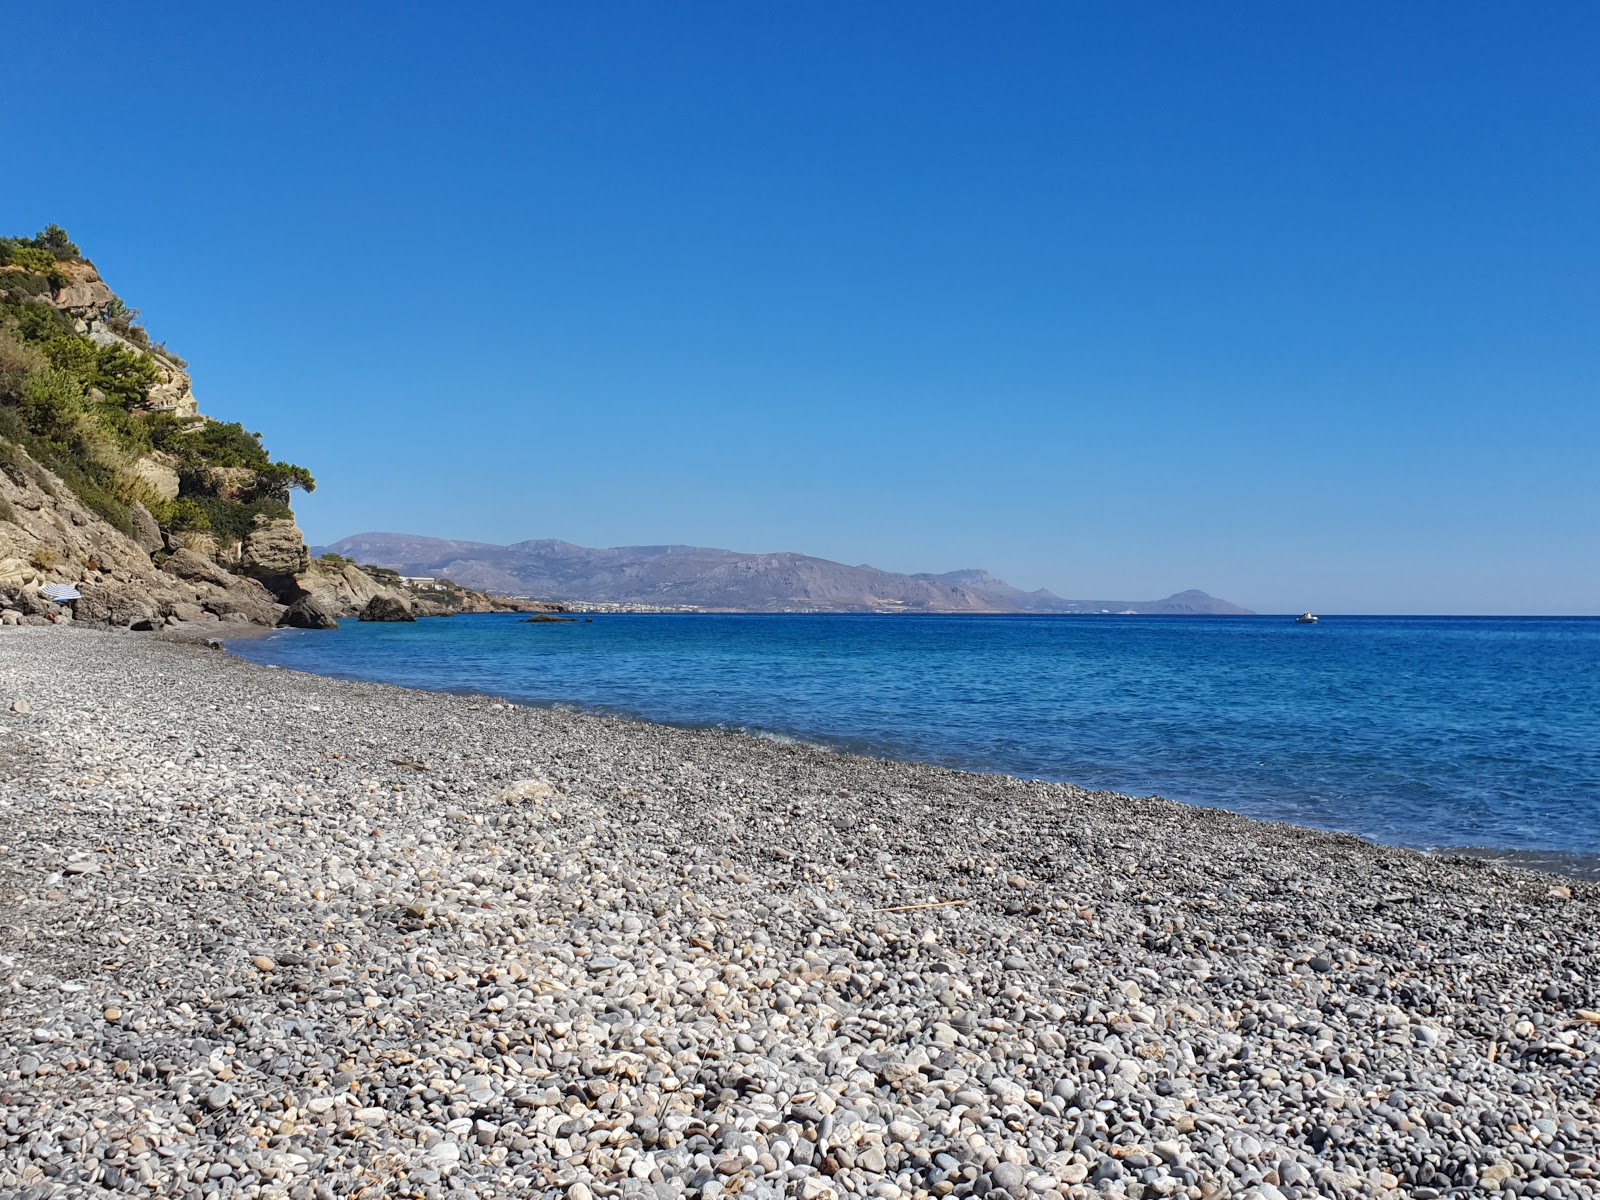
pixel 902 908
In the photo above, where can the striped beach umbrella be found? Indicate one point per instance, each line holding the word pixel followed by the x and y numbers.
pixel 60 592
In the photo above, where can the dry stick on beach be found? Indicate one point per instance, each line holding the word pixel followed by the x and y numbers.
pixel 899 908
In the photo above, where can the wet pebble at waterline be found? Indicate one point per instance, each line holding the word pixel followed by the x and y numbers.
pixel 277 935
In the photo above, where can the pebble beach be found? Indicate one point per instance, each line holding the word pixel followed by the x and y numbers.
pixel 273 934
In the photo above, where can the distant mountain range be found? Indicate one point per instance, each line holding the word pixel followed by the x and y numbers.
pixel 724 579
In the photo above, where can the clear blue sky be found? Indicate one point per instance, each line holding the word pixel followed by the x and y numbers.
pixel 1297 304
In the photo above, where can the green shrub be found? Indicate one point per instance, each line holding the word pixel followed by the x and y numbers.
pixel 22 285
pixel 34 321
pixel 40 262
pixel 52 240
pixel 51 404
pixel 159 427
pixel 125 321
pixel 130 430
pixel 111 510
pixel 275 481
pixel 181 515
pixel 18 360
pixel 216 444
pixel 55 239
pixel 200 450
pixel 13 461
pixel 73 354
pixel 52 423
pixel 233 520
pixel 125 376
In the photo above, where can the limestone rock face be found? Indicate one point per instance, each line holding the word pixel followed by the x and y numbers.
pixel 47 535
pixel 387 608
pixel 275 553
pixel 306 613
pixel 114 605
pixel 229 482
pixel 146 533
pixel 343 589
pixel 157 470
pixel 194 540
pixel 173 392
pixel 31 602
pixel 246 599
pixel 186 564
pixel 15 574
pixel 52 533
pixel 228 595
pixel 86 299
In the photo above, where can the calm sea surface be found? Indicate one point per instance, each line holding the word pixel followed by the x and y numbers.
pixel 1427 732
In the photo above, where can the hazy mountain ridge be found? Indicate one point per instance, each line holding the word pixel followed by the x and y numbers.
pixel 707 577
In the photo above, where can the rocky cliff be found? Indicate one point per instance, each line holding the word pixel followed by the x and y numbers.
pixel 48 535
pixel 114 482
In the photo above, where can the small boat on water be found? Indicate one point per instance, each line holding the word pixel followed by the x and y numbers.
pixel 1305 619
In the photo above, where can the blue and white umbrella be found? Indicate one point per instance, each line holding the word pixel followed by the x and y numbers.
pixel 60 592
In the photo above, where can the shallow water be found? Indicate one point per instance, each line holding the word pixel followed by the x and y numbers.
pixel 1419 731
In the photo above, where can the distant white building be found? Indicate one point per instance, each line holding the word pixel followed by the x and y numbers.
pixel 419 581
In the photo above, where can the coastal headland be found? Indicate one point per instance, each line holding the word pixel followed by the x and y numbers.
pixel 272 934
pixel 115 486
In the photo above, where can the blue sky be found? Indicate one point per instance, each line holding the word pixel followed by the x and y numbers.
pixel 1295 304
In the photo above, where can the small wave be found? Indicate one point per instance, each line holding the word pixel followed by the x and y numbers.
pixel 1550 862
pixel 772 735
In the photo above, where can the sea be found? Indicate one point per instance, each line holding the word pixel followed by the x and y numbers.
pixel 1428 732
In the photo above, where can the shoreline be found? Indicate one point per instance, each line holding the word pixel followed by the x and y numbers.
pixel 1555 862
pixel 316 930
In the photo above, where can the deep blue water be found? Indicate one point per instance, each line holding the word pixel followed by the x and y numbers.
pixel 1427 732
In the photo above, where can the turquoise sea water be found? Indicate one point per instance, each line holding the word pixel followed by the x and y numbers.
pixel 1427 732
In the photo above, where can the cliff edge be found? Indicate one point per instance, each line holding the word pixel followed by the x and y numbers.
pixel 114 483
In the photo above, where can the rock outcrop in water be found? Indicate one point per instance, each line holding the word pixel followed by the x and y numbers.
pixel 306 613
pixel 387 608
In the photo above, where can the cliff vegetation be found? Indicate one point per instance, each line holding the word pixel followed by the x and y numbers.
pixel 90 396
pixel 114 482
